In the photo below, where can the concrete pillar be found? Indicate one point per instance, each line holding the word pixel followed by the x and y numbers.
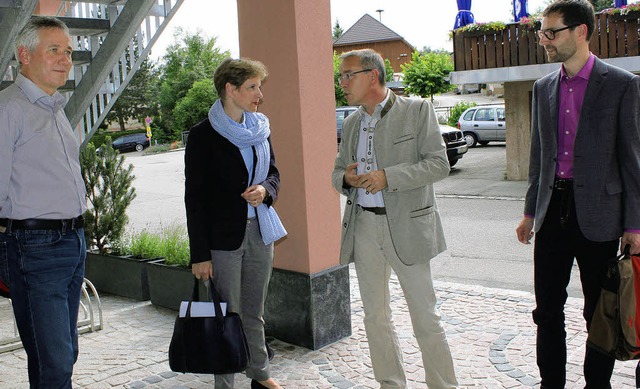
pixel 309 299
pixel 517 97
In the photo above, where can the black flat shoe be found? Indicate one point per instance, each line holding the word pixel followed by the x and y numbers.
pixel 256 385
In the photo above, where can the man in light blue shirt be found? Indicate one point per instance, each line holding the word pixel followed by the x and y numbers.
pixel 42 199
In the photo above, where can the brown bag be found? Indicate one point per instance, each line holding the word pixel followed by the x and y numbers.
pixel 615 327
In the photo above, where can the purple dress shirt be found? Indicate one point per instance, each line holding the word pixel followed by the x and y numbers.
pixel 571 94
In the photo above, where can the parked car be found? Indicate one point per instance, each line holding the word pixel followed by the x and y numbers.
pixel 467 88
pixel 131 142
pixel 456 144
pixel 341 114
pixel 483 124
pixel 453 137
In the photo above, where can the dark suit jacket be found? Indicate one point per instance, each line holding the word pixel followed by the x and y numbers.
pixel 215 176
pixel 606 165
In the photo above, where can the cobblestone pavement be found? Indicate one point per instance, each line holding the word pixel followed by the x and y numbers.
pixel 490 333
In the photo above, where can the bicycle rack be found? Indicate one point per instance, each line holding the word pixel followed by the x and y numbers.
pixel 89 317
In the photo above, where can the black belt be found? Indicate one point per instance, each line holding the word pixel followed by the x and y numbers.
pixel 562 184
pixel 43 224
pixel 376 210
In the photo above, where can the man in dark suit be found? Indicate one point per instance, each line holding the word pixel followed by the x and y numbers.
pixel 584 181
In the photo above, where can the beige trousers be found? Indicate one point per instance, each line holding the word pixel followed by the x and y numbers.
pixel 375 257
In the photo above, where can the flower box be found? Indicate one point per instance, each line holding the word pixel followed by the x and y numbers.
pixel 633 15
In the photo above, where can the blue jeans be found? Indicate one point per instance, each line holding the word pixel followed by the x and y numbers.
pixel 44 270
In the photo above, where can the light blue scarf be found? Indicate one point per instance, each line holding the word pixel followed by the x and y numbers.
pixel 254 134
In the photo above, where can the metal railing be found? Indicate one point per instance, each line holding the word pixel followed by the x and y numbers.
pixel 88 114
pixel 89 318
pixel 129 61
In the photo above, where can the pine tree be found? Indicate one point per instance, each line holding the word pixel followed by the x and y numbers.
pixel 108 183
pixel 337 31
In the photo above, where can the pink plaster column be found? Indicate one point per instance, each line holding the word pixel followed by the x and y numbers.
pixel 293 39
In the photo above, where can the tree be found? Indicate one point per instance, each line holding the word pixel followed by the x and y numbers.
pixel 388 69
pixel 600 5
pixel 339 94
pixel 195 106
pixel 191 58
pixel 427 74
pixel 337 31
pixel 139 98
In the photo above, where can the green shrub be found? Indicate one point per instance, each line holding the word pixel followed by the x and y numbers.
pixel 457 110
pixel 146 244
pixel 162 148
pixel 176 246
pixel 156 149
pixel 170 243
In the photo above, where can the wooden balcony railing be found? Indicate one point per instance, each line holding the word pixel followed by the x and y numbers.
pixel 614 36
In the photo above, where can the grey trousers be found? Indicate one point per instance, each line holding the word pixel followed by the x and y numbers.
pixel 242 279
pixel 375 257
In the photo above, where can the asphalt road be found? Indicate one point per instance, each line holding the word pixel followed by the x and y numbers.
pixel 479 209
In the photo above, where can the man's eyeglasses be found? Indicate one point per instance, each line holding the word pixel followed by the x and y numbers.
pixel 348 76
pixel 551 33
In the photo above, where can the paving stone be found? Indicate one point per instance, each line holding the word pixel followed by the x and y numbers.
pixel 136 385
pixel 490 333
pixel 154 379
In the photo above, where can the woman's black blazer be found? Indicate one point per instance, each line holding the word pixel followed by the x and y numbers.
pixel 215 176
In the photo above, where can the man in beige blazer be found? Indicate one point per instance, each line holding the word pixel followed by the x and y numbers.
pixel 390 155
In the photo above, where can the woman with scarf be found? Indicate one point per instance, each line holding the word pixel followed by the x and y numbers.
pixel 230 187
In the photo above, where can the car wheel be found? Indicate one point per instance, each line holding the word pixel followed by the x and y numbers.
pixel 471 139
pixel 139 147
pixel 483 143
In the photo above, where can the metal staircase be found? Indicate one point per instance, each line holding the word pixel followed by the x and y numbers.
pixel 111 37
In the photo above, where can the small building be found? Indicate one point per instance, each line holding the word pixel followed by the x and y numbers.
pixel 369 33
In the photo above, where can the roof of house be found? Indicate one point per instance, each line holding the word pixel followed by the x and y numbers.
pixel 367 29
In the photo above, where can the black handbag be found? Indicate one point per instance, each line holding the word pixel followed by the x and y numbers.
pixel 209 345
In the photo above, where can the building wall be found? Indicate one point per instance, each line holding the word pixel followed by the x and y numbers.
pixel 517 97
pixel 397 52
pixel 50 7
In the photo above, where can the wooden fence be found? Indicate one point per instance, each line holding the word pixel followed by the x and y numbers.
pixel 614 36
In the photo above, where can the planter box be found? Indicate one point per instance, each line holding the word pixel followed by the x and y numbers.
pixel 472 34
pixel 633 15
pixel 170 285
pixel 122 276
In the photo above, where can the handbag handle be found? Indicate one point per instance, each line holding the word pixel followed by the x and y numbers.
pixel 214 297
pixel 626 250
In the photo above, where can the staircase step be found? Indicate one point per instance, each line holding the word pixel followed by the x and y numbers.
pixel 86 26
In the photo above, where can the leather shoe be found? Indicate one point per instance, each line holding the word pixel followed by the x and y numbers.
pixel 256 385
